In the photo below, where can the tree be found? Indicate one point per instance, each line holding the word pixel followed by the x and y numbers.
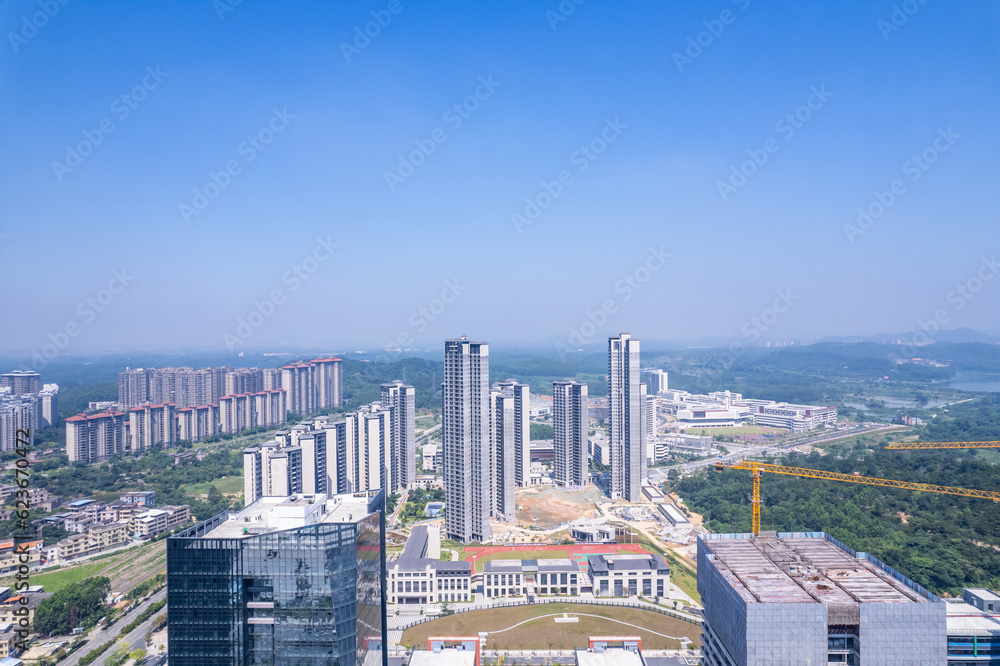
pixel 79 605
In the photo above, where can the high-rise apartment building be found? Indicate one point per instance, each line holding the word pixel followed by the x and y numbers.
pixel 184 387
pixel 401 399
pixel 649 415
pixel 18 413
pixel 48 403
pixel 328 379
pixel 244 380
pixel 287 581
pixel 95 438
pixel 265 409
pixel 313 385
pixel 150 425
pixel 133 387
pixel 21 382
pixel 510 435
pixel 571 461
pixel 368 445
pixel 272 378
pixel 626 411
pixel 465 426
pixel 658 382
pixel 196 423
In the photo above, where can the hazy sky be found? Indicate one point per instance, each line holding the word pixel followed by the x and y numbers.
pixel 622 122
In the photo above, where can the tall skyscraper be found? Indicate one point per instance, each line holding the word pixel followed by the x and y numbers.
pixel 48 399
pixel 569 419
pixel 465 427
pixel 21 382
pixel 369 444
pixel 626 411
pixel 287 581
pixel 401 399
pixel 649 415
pixel 510 434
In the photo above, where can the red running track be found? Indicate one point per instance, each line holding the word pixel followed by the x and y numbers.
pixel 577 552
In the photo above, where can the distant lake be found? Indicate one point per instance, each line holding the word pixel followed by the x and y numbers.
pixel 974 381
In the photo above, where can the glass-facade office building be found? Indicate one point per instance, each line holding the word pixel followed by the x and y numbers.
pixel 296 581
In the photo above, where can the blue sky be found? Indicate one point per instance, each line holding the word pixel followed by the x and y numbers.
pixel 343 123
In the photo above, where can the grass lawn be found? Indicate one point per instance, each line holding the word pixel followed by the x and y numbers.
pixel 544 633
pixel 61 578
pixel 229 485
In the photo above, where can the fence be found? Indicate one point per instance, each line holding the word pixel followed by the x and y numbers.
pixel 582 602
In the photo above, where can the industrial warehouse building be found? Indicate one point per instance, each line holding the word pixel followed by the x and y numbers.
pixel 805 598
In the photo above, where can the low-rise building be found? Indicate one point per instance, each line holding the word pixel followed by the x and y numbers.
pixel 73 547
pixel 601 533
pixel 27 552
pixel 177 514
pixel 514 578
pixel 145 498
pixel 419 578
pixel 107 536
pixel 149 523
pixel 10 607
pixel 974 628
pixel 673 514
pixel 629 575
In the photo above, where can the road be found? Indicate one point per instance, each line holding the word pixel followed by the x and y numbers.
pixel 737 452
pixel 96 638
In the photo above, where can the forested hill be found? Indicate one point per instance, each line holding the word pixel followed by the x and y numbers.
pixel 943 542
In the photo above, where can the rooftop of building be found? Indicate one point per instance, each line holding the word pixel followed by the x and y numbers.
pixel 633 562
pixel 446 657
pixel 967 620
pixel 416 544
pixel 608 657
pixel 983 593
pixel 273 514
pixel 505 566
pixel 806 567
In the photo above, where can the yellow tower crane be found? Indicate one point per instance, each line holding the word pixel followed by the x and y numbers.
pixel 756 468
pixel 943 445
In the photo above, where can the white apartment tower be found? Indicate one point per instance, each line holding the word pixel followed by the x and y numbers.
pixel 510 435
pixel 465 425
pixel 626 412
pixel 400 398
pixel 571 461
